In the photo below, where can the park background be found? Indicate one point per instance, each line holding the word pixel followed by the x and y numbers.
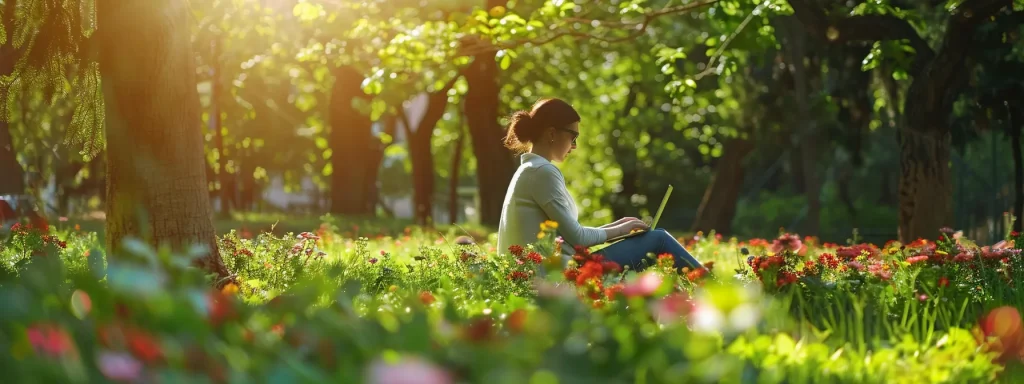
pixel 739 106
pixel 850 173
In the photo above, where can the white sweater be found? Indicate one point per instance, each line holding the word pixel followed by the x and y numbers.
pixel 538 193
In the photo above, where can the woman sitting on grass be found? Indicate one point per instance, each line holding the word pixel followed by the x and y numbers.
pixel 538 192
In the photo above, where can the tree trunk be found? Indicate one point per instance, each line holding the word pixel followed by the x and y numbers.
pixel 224 181
pixel 494 165
pixel 422 177
pixel 1013 124
pixel 422 155
pixel 391 129
pixel 795 45
pixel 13 181
pixel 453 185
pixel 352 143
pixel 156 181
pixel 924 186
pixel 718 207
pixel 888 197
pixel 625 154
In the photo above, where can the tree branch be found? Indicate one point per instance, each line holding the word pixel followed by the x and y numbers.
pixel 406 127
pixel 956 46
pixel 437 102
pixel 866 28
pixel 478 46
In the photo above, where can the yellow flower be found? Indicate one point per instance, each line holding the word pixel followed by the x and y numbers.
pixel 551 224
pixel 541 235
pixel 497 12
pixel 229 289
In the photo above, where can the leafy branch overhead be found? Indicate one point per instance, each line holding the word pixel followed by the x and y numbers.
pixel 423 40
pixel 399 41
pixel 51 42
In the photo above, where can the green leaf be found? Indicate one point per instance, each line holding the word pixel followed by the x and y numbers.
pixel 308 12
pixel 506 61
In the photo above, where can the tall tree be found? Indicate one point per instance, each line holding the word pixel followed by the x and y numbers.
pixel 804 69
pixel 422 156
pixel 494 165
pixel 938 74
pixel 354 149
pixel 718 207
pixel 156 179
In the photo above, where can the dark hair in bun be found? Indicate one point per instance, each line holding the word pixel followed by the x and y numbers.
pixel 525 128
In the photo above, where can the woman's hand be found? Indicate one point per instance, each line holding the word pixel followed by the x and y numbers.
pixel 617 222
pixel 623 220
pixel 635 224
pixel 627 226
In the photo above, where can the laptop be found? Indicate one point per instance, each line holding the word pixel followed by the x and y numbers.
pixel 653 224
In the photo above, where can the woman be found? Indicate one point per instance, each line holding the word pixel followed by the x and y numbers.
pixel 537 193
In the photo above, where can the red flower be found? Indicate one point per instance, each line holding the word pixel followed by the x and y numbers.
pixel 611 291
pixel 666 260
pixel 1001 331
pixel 220 308
pixel 516 320
pixel 516 250
pixel 50 339
pixel 518 275
pixel 963 257
pixel 426 297
pixel 785 278
pixel 143 345
pixel 611 266
pixel 810 267
pixel 534 257
pixel 943 281
pixel 852 252
pixel 479 330
pixel 917 259
pixel 571 274
pixel 696 274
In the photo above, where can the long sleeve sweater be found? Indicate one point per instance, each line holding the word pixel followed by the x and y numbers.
pixel 538 193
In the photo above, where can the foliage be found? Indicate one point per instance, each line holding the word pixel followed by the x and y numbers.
pixel 365 310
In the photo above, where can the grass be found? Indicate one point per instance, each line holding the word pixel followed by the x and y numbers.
pixel 344 300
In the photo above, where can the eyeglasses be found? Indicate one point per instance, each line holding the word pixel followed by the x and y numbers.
pixel 575 134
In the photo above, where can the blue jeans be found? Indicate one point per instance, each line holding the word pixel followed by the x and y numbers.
pixel 633 251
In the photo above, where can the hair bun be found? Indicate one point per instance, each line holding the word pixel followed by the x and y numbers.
pixel 522 118
pixel 526 127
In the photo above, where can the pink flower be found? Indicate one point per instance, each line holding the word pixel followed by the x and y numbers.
pixel 672 307
pixel 643 286
pixel 119 366
pixel 409 370
pixel 787 242
pixel 50 339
